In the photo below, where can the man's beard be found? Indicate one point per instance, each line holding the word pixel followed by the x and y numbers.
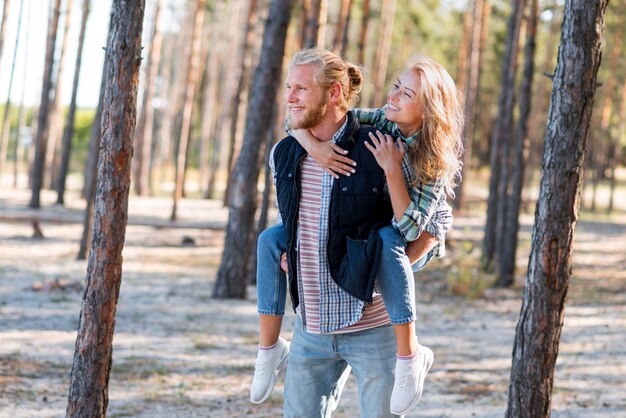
pixel 311 117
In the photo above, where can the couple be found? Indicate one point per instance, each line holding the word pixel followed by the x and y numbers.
pixel 347 242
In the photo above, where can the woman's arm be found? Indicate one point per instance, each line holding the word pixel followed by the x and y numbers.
pixel 328 155
pixel 421 246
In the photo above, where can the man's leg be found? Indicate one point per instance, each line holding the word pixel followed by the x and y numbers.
pixel 315 377
pixel 372 356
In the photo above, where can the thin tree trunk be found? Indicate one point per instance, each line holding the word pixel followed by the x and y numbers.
pixel 91 168
pixel 6 124
pixel 538 331
pixel 56 115
pixel 243 65
pixel 143 136
pixel 43 117
pixel 69 125
pixel 469 24
pixel 232 274
pixel 471 75
pixel 342 24
pixel 88 396
pixel 508 250
pixel 21 114
pixel 312 9
pixel 383 50
pixel 621 131
pixel 3 26
pixel 191 80
pixel 498 154
pixel 365 19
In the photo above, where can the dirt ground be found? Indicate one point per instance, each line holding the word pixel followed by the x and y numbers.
pixel 180 353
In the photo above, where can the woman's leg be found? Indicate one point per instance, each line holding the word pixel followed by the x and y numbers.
pixel 271 284
pixel 395 280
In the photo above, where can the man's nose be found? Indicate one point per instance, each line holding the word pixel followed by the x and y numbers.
pixel 289 97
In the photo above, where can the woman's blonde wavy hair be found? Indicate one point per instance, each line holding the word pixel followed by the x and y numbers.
pixel 436 155
pixel 333 69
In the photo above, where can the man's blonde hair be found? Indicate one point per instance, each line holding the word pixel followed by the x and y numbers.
pixel 331 69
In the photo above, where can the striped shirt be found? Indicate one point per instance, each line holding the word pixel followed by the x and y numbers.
pixel 428 210
pixel 324 306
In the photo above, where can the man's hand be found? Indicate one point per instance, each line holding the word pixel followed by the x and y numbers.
pixel 328 155
pixel 283 263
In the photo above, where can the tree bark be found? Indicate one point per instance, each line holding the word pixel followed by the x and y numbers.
pixel 365 19
pixel 471 76
pixel 508 250
pixel 383 50
pixel 185 130
pixel 69 125
pixel 143 136
pixel 3 26
pixel 232 274
pixel 21 114
pixel 312 10
pixel 539 327
pixel 88 395
pixel 43 116
pixel 498 154
pixel 243 65
pixel 340 40
pixel 56 115
pixel 6 124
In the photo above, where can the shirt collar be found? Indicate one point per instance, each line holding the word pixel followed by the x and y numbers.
pixel 337 136
pixel 395 132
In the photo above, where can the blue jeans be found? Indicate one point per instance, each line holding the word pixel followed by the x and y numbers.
pixel 319 365
pixel 395 277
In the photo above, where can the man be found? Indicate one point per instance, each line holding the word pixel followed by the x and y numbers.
pixel 335 332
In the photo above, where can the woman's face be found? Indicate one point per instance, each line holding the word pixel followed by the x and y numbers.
pixel 403 104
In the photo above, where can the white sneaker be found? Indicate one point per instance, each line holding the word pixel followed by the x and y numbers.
pixel 409 382
pixel 268 364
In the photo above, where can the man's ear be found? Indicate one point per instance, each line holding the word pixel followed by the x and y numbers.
pixel 334 92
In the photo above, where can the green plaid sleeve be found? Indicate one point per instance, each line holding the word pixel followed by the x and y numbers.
pixel 425 203
pixel 374 117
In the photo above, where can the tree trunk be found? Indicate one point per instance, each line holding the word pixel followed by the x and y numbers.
pixel 3 26
pixel 383 50
pixel 243 65
pixel 88 396
pixel 471 75
pixel 21 114
pixel 498 154
pixel 312 10
pixel 143 136
pixel 6 124
pixel 193 62
pixel 69 125
pixel 232 274
pixel 41 138
pixel 340 40
pixel 91 168
pixel 365 19
pixel 539 327
pixel 56 115
pixel 508 249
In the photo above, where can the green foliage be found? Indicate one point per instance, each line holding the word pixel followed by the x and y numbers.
pixel 80 141
pixel 465 277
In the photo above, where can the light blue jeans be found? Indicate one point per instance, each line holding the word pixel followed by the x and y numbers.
pixel 395 276
pixel 319 365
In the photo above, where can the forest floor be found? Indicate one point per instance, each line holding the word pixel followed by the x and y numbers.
pixel 180 353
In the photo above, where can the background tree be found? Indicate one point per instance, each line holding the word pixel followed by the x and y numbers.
pixel 541 318
pixel 5 128
pixel 3 26
pixel 41 138
pixel 499 149
pixel 68 132
pixel 193 64
pixel 232 273
pixel 88 395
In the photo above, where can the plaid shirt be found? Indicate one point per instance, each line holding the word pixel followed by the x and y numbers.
pixel 428 210
pixel 338 309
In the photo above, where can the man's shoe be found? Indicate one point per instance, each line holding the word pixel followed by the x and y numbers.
pixel 409 382
pixel 268 364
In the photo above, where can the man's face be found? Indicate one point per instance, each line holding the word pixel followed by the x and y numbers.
pixel 306 100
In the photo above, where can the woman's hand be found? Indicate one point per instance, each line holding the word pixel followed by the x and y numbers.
pixel 388 153
pixel 328 155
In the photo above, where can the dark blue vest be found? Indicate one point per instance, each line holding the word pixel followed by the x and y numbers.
pixel 358 208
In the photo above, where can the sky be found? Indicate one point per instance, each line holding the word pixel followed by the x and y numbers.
pixel 35 20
